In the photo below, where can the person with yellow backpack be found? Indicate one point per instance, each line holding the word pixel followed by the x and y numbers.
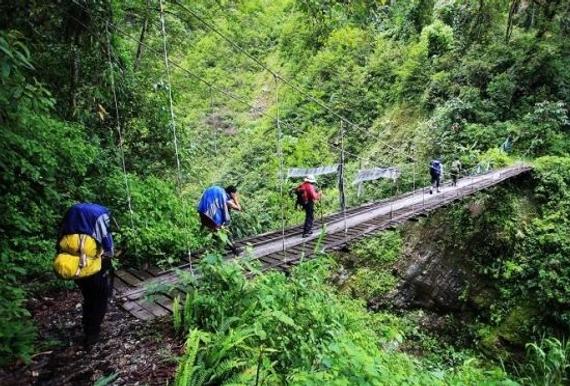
pixel 84 252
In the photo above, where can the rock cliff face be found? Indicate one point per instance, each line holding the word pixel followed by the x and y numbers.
pixel 432 277
pixel 430 281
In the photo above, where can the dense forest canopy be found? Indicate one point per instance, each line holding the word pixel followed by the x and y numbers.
pixel 90 112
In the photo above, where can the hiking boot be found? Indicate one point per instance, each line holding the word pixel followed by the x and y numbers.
pixel 305 235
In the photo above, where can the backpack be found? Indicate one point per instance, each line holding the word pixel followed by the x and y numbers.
pixel 66 263
pixel 435 167
pixel 299 195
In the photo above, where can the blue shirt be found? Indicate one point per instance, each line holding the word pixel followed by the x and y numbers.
pixel 214 204
pixel 90 219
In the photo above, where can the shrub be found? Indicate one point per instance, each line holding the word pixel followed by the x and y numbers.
pixel 547 363
pixel 438 38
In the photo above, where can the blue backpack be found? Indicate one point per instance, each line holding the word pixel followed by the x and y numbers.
pixel 435 167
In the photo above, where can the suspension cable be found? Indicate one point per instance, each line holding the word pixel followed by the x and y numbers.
pixel 288 82
pixel 213 87
pixel 170 102
pixel 235 96
pixel 342 179
pixel 281 163
pixel 173 124
pixel 119 128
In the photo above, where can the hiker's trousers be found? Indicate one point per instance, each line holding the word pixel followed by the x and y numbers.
pixel 435 180
pixel 96 291
pixel 309 217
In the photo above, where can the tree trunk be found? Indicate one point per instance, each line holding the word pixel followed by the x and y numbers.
pixel 510 21
pixel 74 78
pixel 140 48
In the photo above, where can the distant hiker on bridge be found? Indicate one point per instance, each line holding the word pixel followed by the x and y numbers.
pixel 308 195
pixel 455 170
pixel 85 248
pixel 214 208
pixel 435 171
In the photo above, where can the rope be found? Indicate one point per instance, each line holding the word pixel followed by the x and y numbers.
pixel 170 102
pixel 342 179
pixel 281 163
pixel 119 129
pixel 288 82
pixel 222 91
pixel 212 118
pixel 173 123
pixel 168 61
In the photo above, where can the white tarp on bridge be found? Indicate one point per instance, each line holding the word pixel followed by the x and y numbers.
pixel 376 173
pixel 302 172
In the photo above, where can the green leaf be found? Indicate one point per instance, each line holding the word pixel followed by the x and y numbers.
pixel 5 70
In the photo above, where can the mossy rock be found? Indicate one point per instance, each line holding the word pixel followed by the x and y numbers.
pixel 514 330
pixel 517 326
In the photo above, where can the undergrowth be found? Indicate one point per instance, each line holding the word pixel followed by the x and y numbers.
pixel 297 330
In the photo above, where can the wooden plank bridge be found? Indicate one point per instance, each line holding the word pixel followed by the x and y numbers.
pixel 282 250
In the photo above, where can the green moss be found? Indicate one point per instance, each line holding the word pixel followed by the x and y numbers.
pixel 517 326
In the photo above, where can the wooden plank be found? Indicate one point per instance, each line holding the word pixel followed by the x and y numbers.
pixel 335 237
pixel 153 270
pixel 137 311
pixel 142 275
pixel 128 278
pixel 152 307
pixel 271 259
pixel 119 285
pixel 164 301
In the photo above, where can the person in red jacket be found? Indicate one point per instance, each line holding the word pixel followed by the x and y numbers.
pixel 309 195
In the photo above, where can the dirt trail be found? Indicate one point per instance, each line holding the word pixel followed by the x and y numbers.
pixel 133 351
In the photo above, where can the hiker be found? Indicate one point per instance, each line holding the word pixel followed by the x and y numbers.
pixel 454 171
pixel 214 208
pixel 308 195
pixel 435 171
pixel 93 221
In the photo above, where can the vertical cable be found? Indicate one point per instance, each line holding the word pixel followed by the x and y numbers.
pixel 281 163
pixel 215 129
pixel 171 103
pixel 414 176
pixel 341 179
pixel 173 121
pixel 119 129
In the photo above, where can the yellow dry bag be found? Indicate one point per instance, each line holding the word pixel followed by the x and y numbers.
pixel 66 263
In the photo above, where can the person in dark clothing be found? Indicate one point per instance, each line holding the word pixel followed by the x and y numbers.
pixel 455 170
pixel 93 220
pixel 309 196
pixel 435 171
pixel 96 291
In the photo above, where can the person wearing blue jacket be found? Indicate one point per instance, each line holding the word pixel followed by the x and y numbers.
pixel 436 172
pixel 93 220
pixel 214 208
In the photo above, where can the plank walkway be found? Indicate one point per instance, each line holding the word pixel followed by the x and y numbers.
pixel 278 250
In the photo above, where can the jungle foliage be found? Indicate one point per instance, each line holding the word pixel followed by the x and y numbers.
pixel 449 78
pixel 278 330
